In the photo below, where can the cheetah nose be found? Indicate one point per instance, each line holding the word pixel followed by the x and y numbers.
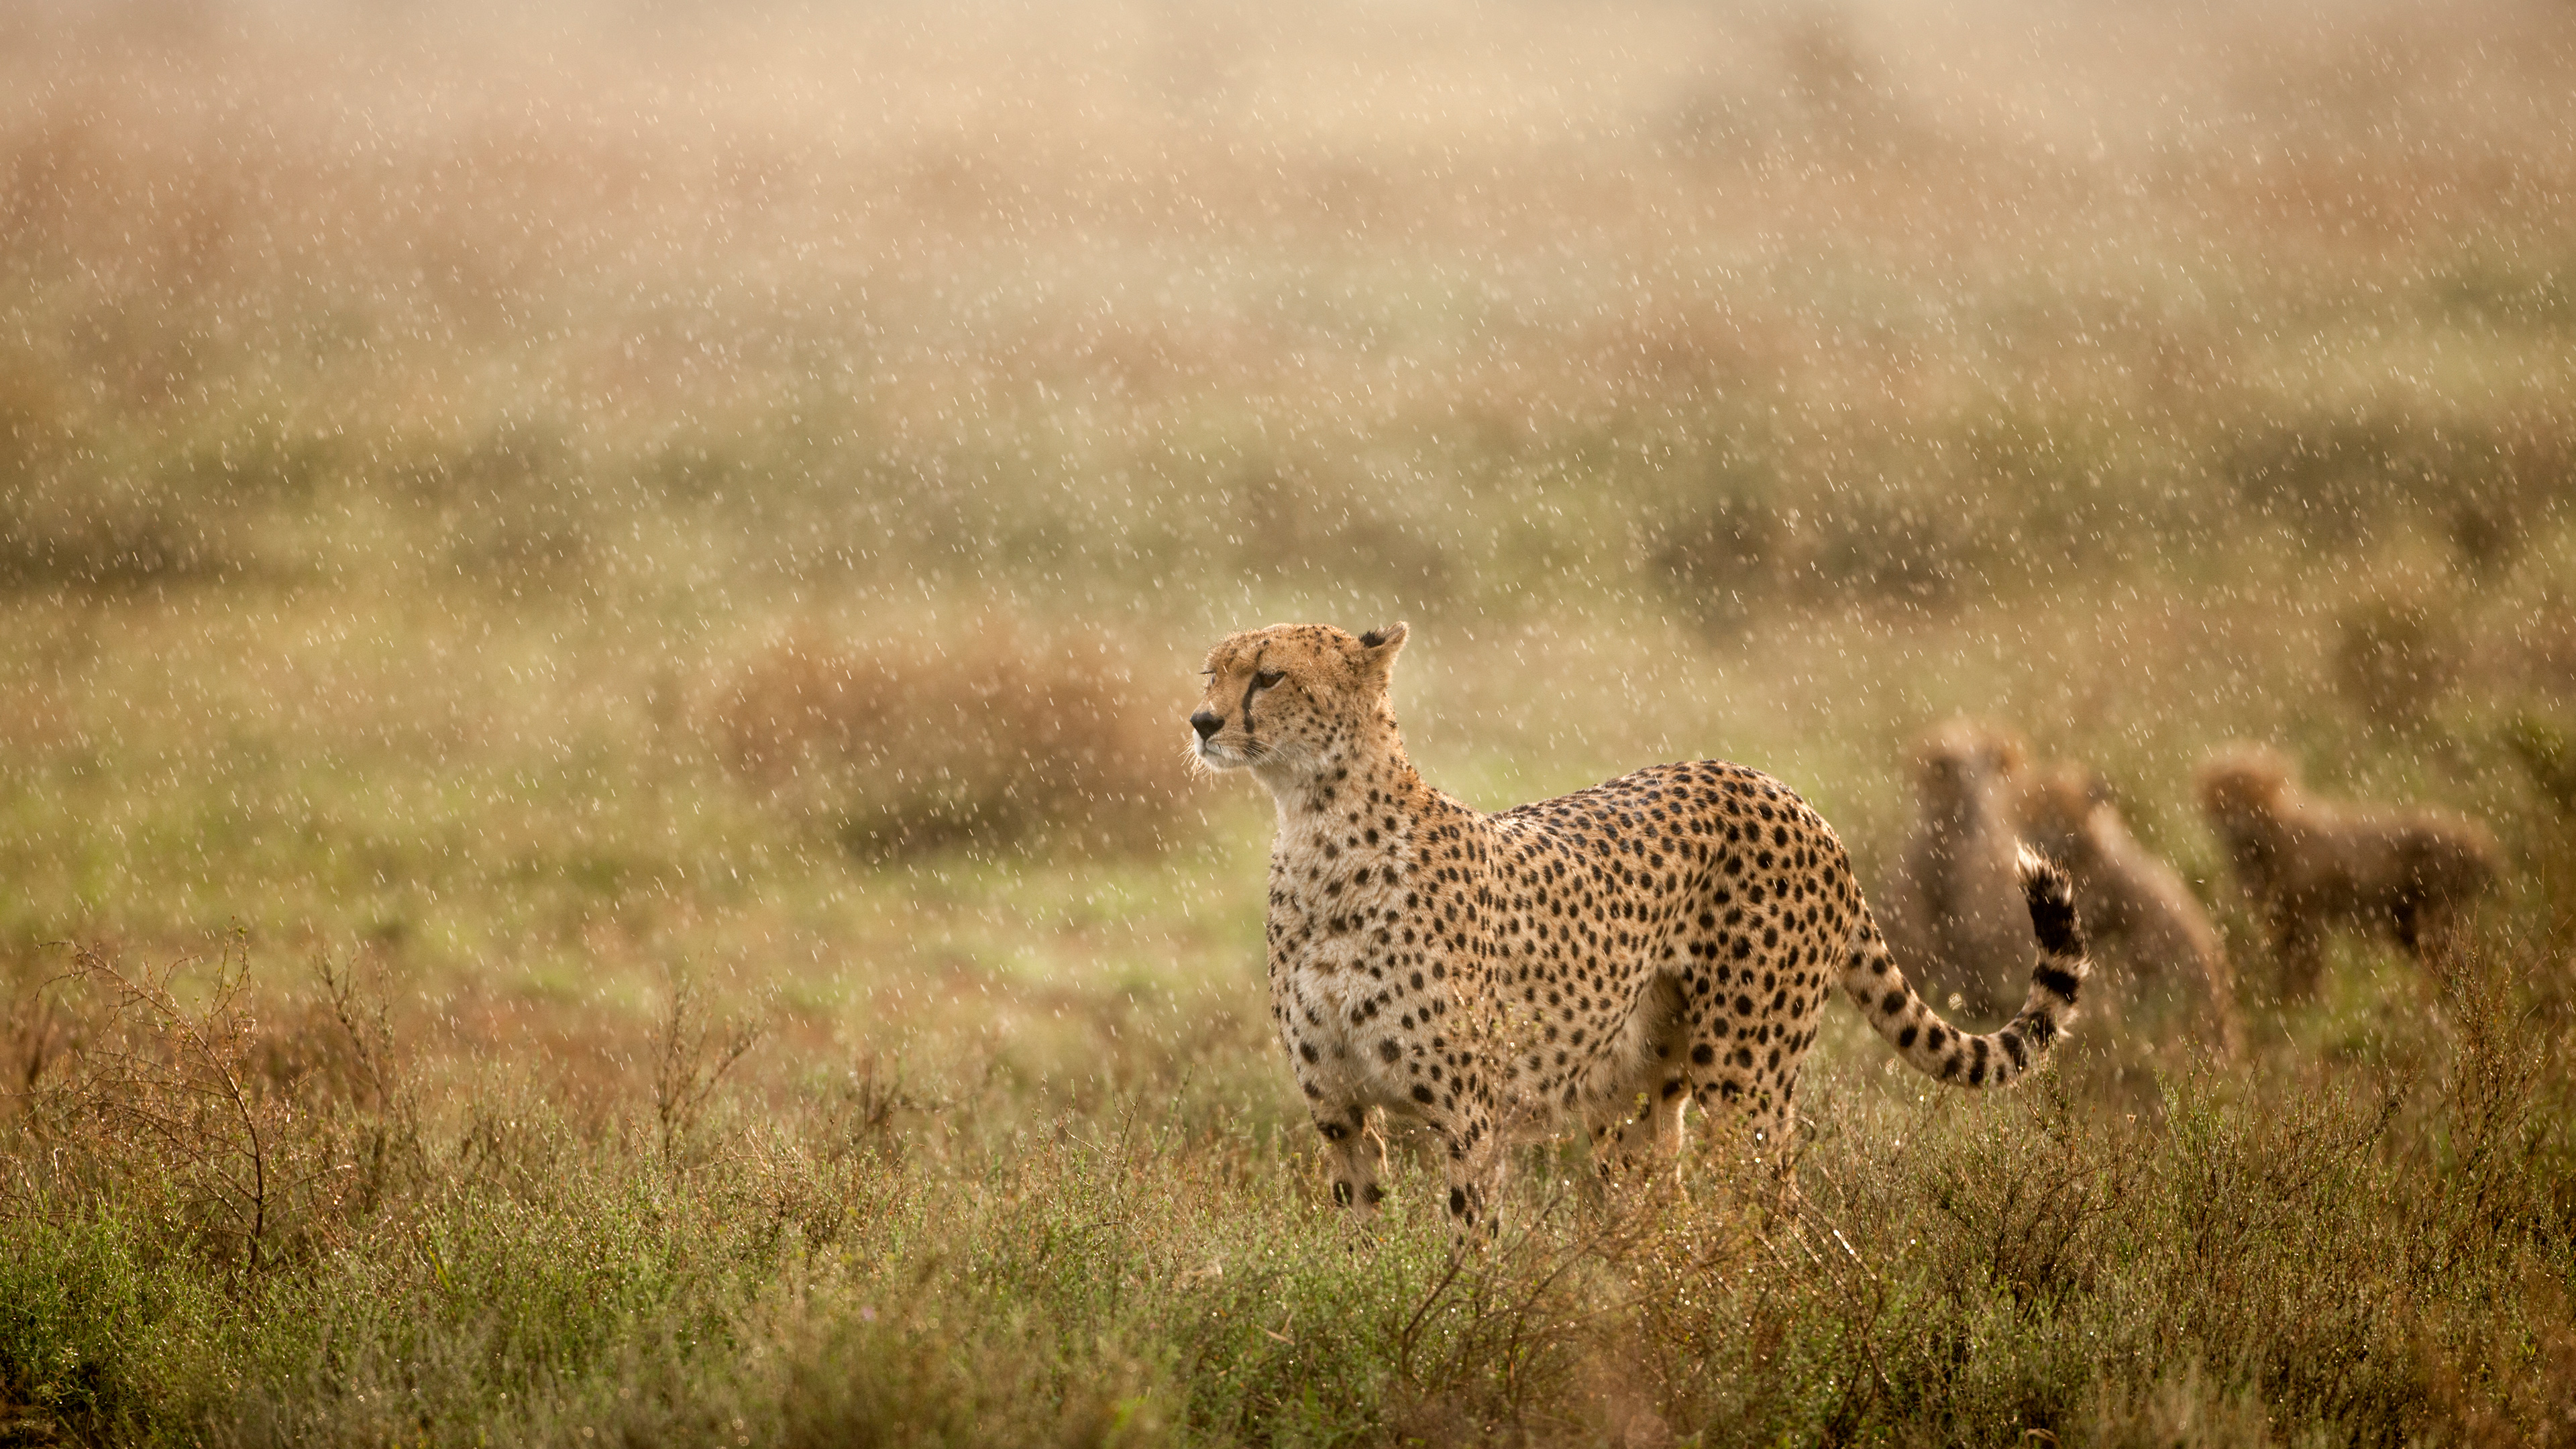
pixel 1207 722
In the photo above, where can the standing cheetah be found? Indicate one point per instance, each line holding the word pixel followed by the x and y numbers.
pixel 2135 906
pixel 1619 952
pixel 2312 864
pixel 1955 909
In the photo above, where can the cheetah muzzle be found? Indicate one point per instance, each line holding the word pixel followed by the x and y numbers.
pixel 1620 953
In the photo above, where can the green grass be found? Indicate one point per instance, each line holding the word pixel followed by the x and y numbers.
pixel 2364 1241
pixel 589 552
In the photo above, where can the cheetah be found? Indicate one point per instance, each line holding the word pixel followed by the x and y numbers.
pixel 1615 954
pixel 1955 908
pixel 2309 864
pixel 2135 905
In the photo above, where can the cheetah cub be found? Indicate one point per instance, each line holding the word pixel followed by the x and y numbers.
pixel 2310 865
pixel 1955 907
pixel 1618 953
pixel 2136 907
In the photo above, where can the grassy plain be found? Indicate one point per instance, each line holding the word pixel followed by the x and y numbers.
pixel 595 606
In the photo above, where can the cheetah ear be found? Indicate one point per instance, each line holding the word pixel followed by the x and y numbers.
pixel 1378 649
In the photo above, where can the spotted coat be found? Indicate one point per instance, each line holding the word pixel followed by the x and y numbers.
pixel 1616 954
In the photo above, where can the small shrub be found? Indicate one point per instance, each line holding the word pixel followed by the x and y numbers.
pixel 690 1060
pixel 1726 554
pixel 2394 660
pixel 2338 481
pixel 1895 546
pixel 996 737
pixel 2329 481
pixel 1740 547
pixel 162 1097
pixel 2548 756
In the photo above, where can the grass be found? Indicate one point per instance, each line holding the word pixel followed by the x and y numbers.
pixel 2363 1242
pixel 594 616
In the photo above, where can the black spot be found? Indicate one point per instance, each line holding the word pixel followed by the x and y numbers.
pixel 1388 1050
pixel 1457 1202
pixel 1704 1054
pixel 2061 984
pixel 1342 1194
pixel 1905 1038
pixel 1422 1094
pixel 1892 1003
pixel 1372 1194
pixel 1306 1049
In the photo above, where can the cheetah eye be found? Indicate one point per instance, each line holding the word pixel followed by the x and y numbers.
pixel 1267 678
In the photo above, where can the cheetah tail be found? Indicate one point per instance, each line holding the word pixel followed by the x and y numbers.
pixel 1936 1048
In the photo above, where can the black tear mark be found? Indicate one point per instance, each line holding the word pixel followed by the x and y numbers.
pixel 1251 687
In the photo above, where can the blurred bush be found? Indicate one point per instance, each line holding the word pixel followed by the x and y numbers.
pixel 2548 756
pixel 2483 483
pixel 996 736
pixel 2395 658
pixel 1738 545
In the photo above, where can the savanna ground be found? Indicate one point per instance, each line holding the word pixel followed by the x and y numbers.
pixel 596 605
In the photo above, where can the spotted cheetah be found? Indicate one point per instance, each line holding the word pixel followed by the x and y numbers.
pixel 1955 908
pixel 2135 905
pixel 1618 953
pixel 2311 864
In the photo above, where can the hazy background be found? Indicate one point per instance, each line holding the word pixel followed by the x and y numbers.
pixel 539 484
pixel 641 529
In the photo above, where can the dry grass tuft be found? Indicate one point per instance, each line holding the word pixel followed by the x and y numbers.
pixel 162 1098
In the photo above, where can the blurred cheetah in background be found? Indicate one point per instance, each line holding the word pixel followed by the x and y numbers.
pixel 1955 907
pixel 2310 865
pixel 2135 906
pixel 1619 953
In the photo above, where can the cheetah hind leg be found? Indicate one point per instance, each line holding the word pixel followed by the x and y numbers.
pixel 1774 1120
pixel 1475 1179
pixel 1354 1161
pixel 1636 1132
pixel 1754 1134
pixel 1636 1141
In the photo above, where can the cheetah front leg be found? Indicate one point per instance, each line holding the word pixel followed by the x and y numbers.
pixel 1354 1159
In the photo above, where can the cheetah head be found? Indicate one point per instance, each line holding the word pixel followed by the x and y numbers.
pixel 2058 807
pixel 2242 785
pixel 1957 761
pixel 1279 700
